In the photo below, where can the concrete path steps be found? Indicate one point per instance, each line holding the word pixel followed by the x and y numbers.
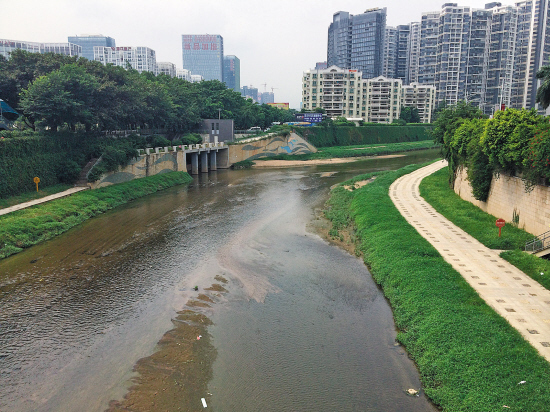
pixel 45 199
pixel 524 303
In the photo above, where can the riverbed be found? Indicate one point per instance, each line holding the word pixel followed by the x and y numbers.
pixel 302 326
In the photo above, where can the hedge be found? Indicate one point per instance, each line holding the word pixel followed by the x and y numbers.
pixel 370 134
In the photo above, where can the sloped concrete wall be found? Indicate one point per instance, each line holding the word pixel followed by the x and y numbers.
pixel 506 197
pixel 292 144
pixel 143 166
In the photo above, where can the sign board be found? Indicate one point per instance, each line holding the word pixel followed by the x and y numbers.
pixel 500 223
pixel 309 117
pixel 283 106
pixel 36 180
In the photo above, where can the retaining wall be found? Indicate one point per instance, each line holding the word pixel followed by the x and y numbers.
pixel 273 146
pixel 507 198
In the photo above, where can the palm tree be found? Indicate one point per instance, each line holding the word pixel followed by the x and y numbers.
pixel 543 92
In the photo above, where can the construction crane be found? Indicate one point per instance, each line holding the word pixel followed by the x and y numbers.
pixel 273 88
pixel 265 86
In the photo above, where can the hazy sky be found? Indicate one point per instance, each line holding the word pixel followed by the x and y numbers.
pixel 275 40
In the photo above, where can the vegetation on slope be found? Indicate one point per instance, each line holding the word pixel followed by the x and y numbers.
pixel 469 358
pixel 27 227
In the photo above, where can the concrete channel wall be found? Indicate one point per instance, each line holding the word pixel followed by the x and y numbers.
pixel 507 198
pixel 200 158
pixel 272 146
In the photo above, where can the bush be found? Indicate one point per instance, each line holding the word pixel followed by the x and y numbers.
pixel 68 171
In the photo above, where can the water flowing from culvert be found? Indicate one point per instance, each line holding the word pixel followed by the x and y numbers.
pixel 302 327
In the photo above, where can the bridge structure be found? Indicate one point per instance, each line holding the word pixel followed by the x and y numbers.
pixel 196 158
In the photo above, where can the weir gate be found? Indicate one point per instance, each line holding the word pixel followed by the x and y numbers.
pixel 195 158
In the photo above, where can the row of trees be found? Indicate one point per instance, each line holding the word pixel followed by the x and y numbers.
pixel 56 91
pixel 514 142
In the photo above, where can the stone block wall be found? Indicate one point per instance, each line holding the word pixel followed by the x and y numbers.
pixel 508 198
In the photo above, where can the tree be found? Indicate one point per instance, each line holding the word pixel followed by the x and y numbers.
pixel 64 96
pixel 543 92
pixel 448 121
pixel 409 114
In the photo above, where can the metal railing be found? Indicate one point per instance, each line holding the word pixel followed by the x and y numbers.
pixel 539 243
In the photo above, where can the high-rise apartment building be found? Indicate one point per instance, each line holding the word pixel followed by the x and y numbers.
pixel 166 68
pixel 381 99
pixel 232 72
pixel 429 36
pixel 267 97
pixel 402 53
pixel 183 74
pixel 421 97
pixel 68 49
pixel 89 41
pixel 337 90
pixel 142 59
pixel 532 50
pixel 413 54
pixel 250 92
pixel 203 54
pixel 390 53
pixel 357 41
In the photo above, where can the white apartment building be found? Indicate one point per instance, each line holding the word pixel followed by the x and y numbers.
pixel 183 74
pixel 336 90
pixel 142 59
pixel 422 97
pixel 381 99
pixel 195 78
pixel 68 49
pixel 166 68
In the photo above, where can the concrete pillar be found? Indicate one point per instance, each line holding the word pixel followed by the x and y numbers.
pixel 223 158
pixel 194 163
pixel 213 160
pixel 204 162
pixel 215 140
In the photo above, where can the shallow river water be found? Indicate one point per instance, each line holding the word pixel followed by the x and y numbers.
pixel 303 326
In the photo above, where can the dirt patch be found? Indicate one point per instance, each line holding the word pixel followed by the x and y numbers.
pixel 359 185
pixel 216 287
pixel 347 239
pixel 176 376
pixel 220 279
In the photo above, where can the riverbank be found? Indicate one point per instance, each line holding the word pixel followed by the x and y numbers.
pixel 24 228
pixel 435 189
pixel 469 357
pixel 258 164
pixel 363 150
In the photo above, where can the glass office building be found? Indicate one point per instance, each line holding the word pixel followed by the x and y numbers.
pixel 87 42
pixel 357 42
pixel 203 55
pixel 232 72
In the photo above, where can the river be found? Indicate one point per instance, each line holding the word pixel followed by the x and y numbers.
pixel 302 326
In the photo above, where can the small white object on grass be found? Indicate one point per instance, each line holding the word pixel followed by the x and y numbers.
pixel 203 402
pixel 522 382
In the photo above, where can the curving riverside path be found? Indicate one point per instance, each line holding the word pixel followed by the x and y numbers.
pixel 515 296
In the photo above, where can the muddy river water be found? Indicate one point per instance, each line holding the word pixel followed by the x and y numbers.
pixel 302 327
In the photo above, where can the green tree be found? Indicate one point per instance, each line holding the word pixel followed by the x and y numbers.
pixel 409 114
pixel 64 96
pixel 506 138
pixel 543 92
pixel 448 121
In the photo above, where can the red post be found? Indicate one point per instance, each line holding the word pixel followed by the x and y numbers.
pixel 500 224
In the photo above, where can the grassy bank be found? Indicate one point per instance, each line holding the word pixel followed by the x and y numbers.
pixel 435 189
pixel 24 228
pixel 469 358
pixel 359 151
pixel 27 197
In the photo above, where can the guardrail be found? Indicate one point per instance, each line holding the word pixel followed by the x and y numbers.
pixel 539 243
pixel 179 148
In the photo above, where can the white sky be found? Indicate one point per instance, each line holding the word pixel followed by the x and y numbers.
pixel 275 40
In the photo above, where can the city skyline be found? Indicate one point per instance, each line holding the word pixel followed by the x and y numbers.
pixel 260 47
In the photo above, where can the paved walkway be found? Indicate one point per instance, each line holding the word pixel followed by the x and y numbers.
pixel 25 205
pixel 515 296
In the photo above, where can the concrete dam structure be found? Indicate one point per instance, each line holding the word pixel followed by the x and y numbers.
pixel 203 158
